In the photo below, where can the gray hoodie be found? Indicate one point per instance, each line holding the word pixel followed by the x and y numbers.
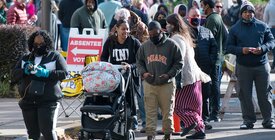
pixel 164 58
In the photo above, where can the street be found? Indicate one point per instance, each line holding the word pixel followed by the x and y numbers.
pixel 12 125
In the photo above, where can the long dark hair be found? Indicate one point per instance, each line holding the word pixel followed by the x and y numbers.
pixel 47 39
pixel 118 24
pixel 180 27
pixel 159 13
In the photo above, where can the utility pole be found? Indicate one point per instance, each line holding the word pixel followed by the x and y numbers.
pixel 46 15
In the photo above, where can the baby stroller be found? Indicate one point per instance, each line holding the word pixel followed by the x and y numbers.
pixel 105 112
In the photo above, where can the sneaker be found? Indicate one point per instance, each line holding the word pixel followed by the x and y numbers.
pixel 270 125
pixel 197 135
pixel 247 126
pixel 166 137
pixel 151 138
pixel 207 126
pixel 186 130
pixel 142 130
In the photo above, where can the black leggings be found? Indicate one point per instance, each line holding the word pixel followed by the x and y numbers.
pixel 40 118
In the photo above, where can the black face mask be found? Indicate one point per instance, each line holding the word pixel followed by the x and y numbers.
pixel 195 21
pixel 156 39
pixel 40 51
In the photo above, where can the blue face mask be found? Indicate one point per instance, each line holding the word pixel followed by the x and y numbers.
pixel 195 21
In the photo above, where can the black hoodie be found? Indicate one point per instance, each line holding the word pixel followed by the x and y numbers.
pixel 66 10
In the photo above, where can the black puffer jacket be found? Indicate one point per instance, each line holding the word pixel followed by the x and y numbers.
pixel 206 49
pixel 54 62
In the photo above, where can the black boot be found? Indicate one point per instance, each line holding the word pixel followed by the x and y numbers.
pixel 188 129
pixel 207 125
pixel 197 135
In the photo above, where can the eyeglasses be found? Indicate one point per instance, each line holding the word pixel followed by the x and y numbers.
pixel 218 6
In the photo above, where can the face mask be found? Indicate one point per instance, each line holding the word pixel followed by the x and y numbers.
pixel 40 51
pixel 169 29
pixel 195 21
pixel 156 39
pixel 201 11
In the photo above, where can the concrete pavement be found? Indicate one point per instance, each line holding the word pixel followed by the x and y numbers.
pixel 12 124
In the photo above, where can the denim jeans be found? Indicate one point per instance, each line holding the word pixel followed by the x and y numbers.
pixel 141 106
pixel 64 36
pixel 206 91
pixel 214 99
pixel 141 110
pixel 273 51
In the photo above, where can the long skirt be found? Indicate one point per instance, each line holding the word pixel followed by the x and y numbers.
pixel 188 105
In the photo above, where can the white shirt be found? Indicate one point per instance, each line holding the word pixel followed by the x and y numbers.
pixel 191 72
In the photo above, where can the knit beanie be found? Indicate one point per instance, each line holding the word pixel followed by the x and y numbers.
pixel 247 5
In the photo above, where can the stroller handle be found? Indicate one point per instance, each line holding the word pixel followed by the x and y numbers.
pixel 120 67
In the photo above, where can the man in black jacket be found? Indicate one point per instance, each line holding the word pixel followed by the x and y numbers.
pixel 205 56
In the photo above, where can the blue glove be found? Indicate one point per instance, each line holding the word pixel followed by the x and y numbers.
pixel 28 66
pixel 42 72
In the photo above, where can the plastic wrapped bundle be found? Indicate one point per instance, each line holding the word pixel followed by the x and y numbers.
pixel 100 77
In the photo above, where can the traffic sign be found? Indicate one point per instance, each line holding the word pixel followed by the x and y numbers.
pixel 80 47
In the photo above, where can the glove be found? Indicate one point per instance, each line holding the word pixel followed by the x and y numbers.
pixel 42 72
pixel 28 66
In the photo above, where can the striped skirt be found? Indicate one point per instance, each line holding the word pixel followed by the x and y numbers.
pixel 188 105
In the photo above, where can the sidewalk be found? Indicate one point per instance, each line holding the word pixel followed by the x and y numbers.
pixel 12 124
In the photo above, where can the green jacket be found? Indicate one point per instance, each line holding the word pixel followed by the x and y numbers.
pixel 215 24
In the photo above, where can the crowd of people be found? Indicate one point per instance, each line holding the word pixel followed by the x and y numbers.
pixel 177 56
